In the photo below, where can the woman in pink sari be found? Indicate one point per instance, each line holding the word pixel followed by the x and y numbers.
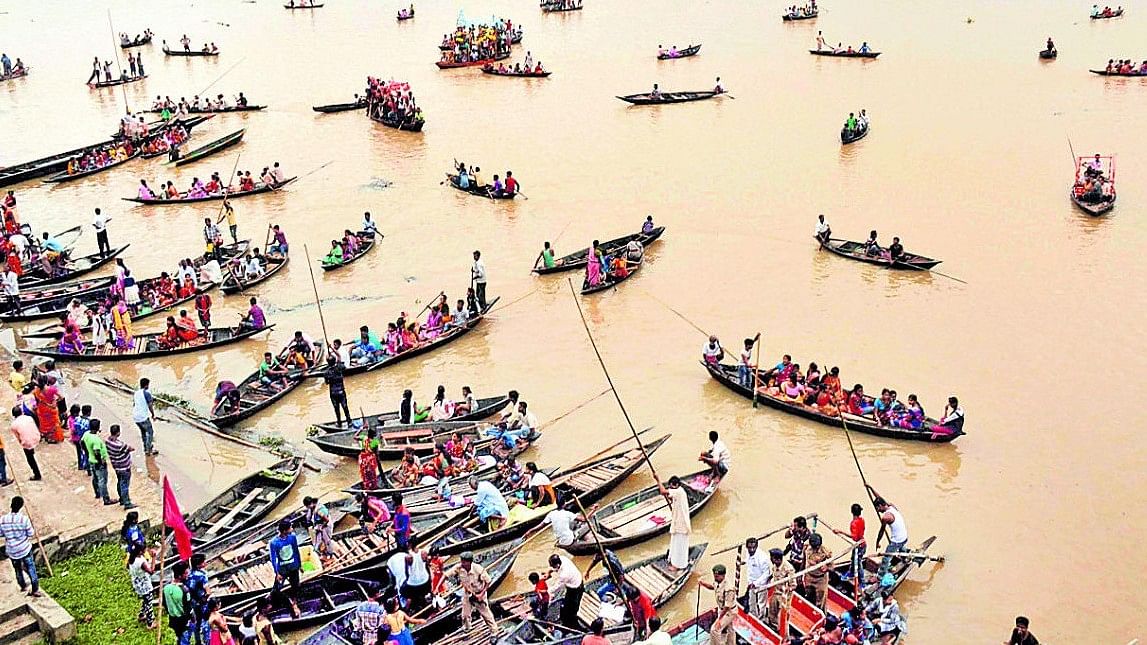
pixel 593 269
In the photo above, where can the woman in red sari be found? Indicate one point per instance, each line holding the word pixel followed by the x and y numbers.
pixel 368 465
pixel 47 412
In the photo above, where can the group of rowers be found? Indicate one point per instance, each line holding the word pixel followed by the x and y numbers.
pixel 8 70
pixel 406 333
pixel 1093 187
pixel 135 64
pixel 471 180
pixel 821 45
pixel 1125 67
pixel 101 157
pixel 392 101
pixel 856 123
pixel 1106 12
pixel 805 11
pixel 126 41
pixel 271 176
pixel 479 42
pixel 823 393
pixel 182 107
pixel 186 43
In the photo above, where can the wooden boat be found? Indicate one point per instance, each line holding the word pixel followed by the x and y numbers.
pixel 855 251
pixel 847 137
pixel 124 80
pixel 219 110
pixel 637 517
pixel 1048 53
pixel 209 149
pixel 232 283
pixel 472 63
pixel 309 6
pixel 367 240
pixel 843 54
pixel 589 482
pixel 497 561
pixel 63 176
pixel 245 502
pixel 487 407
pixel 1103 72
pixel 405 14
pixel 578 260
pixel 1094 209
pixel 35 276
pixel 1077 192
pixel 146 346
pixel 691 50
pixel 608 281
pixel 552 8
pixel 651 576
pixel 792 17
pixel 415 126
pixel 15 74
pixel 255 396
pixel 176 52
pixel 453 334
pixel 1113 14
pixel 128 44
pixel 727 375
pixel 485 190
pixel 352 550
pixel 394 440
pixel 668 97
pixel 56 292
pixel 234 194
pixel 340 107
pixel 492 71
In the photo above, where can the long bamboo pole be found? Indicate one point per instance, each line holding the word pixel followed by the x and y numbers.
pixel 162 561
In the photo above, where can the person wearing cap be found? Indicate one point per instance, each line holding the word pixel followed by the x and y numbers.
pixel 475 584
pixel 816 554
pixel 1021 635
pixel 721 633
pixel 287 562
pixel 783 585
pixel 759 570
pixel 574 586
pixel 680 526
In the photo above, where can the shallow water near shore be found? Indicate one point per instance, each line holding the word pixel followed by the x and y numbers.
pixel 968 161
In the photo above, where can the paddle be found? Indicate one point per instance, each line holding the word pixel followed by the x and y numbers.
pixel 916 268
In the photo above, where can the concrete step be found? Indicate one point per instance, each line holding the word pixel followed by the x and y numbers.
pixel 19 629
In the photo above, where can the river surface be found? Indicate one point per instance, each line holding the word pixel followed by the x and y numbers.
pixel 968 161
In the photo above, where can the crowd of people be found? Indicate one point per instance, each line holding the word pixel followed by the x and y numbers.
pixel 1092 183
pixel 348 247
pixel 101 157
pixel 392 101
pixel 127 41
pixel 527 67
pixel 271 176
pixel 170 139
pixel 135 67
pixel 479 42
pixel 856 123
pixel 1125 66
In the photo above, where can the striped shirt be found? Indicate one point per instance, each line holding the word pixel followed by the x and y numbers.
pixel 17 531
pixel 119 453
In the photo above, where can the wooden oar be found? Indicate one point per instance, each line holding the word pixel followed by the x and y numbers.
pixel 760 537
pixel 605 450
pixel 909 555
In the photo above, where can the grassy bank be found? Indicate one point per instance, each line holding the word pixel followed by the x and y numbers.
pixel 96 589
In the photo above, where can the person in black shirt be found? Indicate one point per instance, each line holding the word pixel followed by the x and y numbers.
pixel 1021 635
pixel 333 377
pixel 896 249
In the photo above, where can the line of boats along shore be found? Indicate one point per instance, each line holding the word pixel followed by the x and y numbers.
pixel 232 530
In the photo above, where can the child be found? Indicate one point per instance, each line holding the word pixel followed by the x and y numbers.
pixel 540 604
pixel 76 431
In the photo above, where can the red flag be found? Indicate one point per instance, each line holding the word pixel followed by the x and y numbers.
pixel 173 518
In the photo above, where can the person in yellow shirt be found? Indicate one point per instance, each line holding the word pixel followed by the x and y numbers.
pixel 16 377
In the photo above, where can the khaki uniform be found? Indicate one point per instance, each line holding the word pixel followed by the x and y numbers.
pixel 475 584
pixel 816 581
pixel 722 631
pixel 782 592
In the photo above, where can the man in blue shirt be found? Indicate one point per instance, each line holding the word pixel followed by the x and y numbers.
pixel 197 588
pixel 287 561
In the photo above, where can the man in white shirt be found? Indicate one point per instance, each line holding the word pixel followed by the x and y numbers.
pixel 823 230
pixel 656 636
pixel 759 571
pixel 100 224
pixel 568 576
pixel 211 271
pixel 478 277
pixel 680 525
pixel 717 456
pixel 12 291
pixel 253 269
pixel 368 224
pixel 712 351
pixel 561 522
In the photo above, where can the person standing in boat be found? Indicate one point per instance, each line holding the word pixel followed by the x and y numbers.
pixel 139 63
pixel 186 42
pixel 820 44
pixel 478 277
pixel 95 76
pixel 745 367
pixel 897 529
pixel 721 633
pixel 475 586
pixel 680 526
pixel 718 88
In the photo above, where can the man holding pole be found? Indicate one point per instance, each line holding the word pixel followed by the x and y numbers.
pixel 722 631
pixel 680 525
pixel 478 277
pixel 18 533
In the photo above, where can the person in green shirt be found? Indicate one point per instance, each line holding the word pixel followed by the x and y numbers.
pixel 177 601
pixel 335 256
pixel 166 114
pixel 850 124
pixel 272 371
pixel 98 461
pixel 548 256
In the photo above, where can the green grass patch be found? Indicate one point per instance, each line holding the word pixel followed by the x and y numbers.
pixel 96 590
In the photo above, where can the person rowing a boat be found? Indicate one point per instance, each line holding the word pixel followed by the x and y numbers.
pixel 864 48
pixel 655 95
pixel 272 373
pixel 820 44
pixel 718 88
pixel 1050 46
pixel 254 318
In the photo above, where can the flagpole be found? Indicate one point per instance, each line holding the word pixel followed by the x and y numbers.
pixel 162 558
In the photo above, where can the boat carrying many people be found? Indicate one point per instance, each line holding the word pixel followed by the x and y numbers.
pixel 477 44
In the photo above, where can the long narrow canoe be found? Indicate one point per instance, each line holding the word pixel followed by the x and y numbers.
pixel 1094 209
pixel 691 50
pixel 209 149
pixel 15 74
pixel 309 6
pixel 353 550
pixel 1103 72
pixel 232 283
pixel 394 441
pixel 446 337
pixel 219 110
pixel 608 281
pixel 177 52
pixel 790 17
pixel 75 268
pixel 485 190
pixel 472 63
pixel 415 126
pixel 577 260
pixel 1113 14
pixel 340 107
pixel 64 176
pixel 147 346
pixel 128 44
pixel 556 9
pixel 727 375
pixel 55 292
pixel 495 72
pixel 1048 53
pixel 98 85
pixel 851 136
pixel 497 561
pixel 366 239
pixel 588 482
pixel 255 396
pixel 486 407
pixel 843 54
pixel 668 97
pixel 855 251
pixel 245 502
pixel 234 194
pixel 638 517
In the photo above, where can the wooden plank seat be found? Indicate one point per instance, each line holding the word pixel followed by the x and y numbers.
pixel 231 515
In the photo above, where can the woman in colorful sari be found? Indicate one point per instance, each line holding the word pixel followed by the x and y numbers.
pixel 350 244
pixel 170 336
pixel 185 327
pixel 71 342
pixel 120 270
pixel 368 466
pixel 47 411
pixel 433 325
pixel 593 269
pixel 121 322
pixel 335 255
pixel 100 326
pixel 77 313
pixel 409 337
